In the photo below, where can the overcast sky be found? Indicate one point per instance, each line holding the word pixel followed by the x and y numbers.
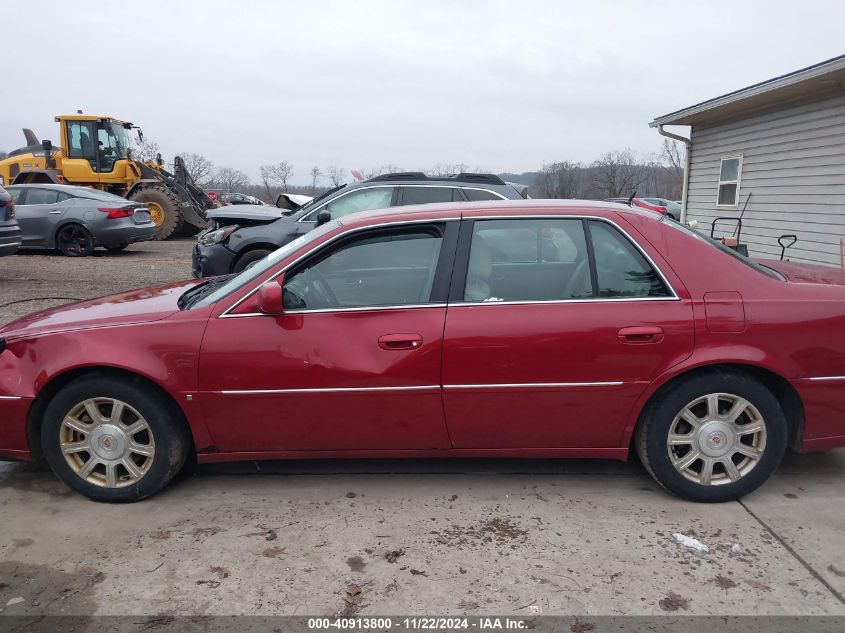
pixel 504 86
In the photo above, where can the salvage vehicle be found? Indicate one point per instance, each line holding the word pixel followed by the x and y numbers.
pixel 415 333
pixel 238 198
pixel 224 249
pixel 76 220
pixel 95 152
pixel 255 214
pixel 10 232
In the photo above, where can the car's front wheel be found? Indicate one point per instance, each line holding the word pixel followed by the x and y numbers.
pixel 113 440
pixel 713 437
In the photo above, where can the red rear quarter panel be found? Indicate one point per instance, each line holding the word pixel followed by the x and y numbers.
pixel 795 329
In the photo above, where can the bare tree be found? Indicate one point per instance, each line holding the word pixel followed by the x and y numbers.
pixel 265 174
pixel 231 179
pixel 444 170
pixel 278 173
pixel 672 157
pixel 199 168
pixel 390 168
pixel 316 172
pixel 617 173
pixel 560 180
pixel 337 175
pixel 145 151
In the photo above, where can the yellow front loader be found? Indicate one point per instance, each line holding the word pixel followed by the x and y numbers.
pixel 94 152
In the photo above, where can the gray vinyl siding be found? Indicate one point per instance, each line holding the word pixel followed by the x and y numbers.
pixel 794 167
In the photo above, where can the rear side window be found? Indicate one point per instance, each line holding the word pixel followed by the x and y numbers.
pixel 427 195
pixel 527 260
pixel 42 196
pixel 621 269
pixel 17 194
pixel 478 195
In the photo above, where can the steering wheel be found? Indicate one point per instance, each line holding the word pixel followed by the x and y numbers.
pixel 322 289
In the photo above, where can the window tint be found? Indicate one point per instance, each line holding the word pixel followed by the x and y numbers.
pixel 621 270
pixel 62 196
pixel 16 193
pixel 528 260
pixel 360 200
pixel 426 195
pixel 476 195
pixel 81 140
pixel 42 196
pixel 386 269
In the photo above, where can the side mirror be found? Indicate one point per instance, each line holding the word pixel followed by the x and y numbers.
pixel 270 297
pixel 323 217
pixel 47 146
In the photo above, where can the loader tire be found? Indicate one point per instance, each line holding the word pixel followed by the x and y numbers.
pixel 164 209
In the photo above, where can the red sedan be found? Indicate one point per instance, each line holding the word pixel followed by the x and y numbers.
pixel 524 329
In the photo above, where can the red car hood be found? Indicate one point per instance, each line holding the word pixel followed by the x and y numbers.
pixel 135 306
pixel 807 273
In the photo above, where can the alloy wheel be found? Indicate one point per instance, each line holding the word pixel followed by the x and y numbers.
pixel 73 240
pixel 716 439
pixel 107 442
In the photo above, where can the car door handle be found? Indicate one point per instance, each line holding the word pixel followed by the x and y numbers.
pixel 56 212
pixel 399 342
pixel 640 335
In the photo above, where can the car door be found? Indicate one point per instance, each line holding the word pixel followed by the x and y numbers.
pixel 353 363
pixel 38 215
pixel 555 327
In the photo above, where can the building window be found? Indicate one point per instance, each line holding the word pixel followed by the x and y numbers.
pixel 730 173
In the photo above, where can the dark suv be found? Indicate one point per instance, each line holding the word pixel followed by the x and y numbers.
pixel 231 249
pixel 10 232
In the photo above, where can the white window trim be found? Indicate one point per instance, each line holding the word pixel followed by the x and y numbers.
pixel 737 182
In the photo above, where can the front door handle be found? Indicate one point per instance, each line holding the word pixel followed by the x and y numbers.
pixel 56 212
pixel 640 335
pixel 399 342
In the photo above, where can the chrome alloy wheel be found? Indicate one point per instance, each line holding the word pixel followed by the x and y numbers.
pixel 716 439
pixel 107 442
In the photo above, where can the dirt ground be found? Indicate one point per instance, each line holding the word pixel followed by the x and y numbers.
pixel 403 537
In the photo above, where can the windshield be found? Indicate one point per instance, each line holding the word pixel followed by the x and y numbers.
pixel 725 249
pixel 312 203
pixel 217 292
pixel 113 139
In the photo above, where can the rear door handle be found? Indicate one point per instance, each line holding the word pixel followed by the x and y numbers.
pixel 399 342
pixel 640 335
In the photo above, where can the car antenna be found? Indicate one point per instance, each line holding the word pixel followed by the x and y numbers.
pixel 631 199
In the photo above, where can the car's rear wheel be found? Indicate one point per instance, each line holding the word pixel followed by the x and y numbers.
pixel 713 437
pixel 74 240
pixel 249 259
pixel 113 440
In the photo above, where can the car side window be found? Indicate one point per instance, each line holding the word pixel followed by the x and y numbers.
pixel 427 195
pixel 17 195
pixel 42 196
pixel 360 200
pixel 62 197
pixel 478 195
pixel 381 268
pixel 621 269
pixel 528 260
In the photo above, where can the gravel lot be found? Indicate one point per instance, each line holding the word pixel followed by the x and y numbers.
pixel 34 274
pixel 415 537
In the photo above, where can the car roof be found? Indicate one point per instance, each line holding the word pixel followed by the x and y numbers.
pixel 457 210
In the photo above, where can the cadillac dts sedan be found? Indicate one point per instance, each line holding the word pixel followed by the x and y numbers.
pixel 522 329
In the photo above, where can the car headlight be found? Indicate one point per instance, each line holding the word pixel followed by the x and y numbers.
pixel 218 235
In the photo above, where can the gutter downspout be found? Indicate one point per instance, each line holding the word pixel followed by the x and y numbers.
pixel 687 161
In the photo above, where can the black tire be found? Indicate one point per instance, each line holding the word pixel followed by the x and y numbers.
pixel 170 436
pixel 159 195
pixel 249 258
pixel 657 420
pixel 74 240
